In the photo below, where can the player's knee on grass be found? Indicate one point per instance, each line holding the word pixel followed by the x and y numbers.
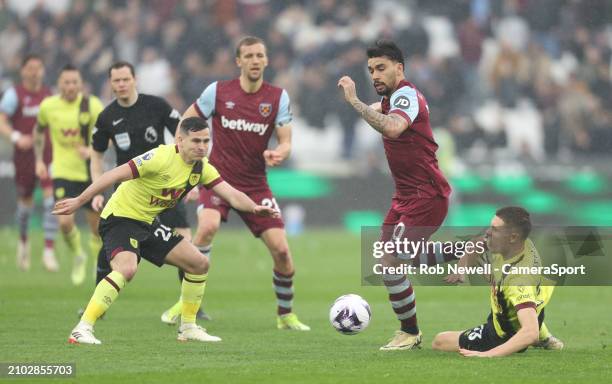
pixel 446 341
pixel 125 263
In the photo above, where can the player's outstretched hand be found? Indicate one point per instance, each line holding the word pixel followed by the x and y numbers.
pixel 97 203
pixel 66 206
pixel 348 87
pixel 272 157
pixel 260 210
pixel 41 170
pixel 455 278
pixel 468 353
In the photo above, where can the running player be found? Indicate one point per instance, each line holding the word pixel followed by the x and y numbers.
pixel 135 123
pixel 69 118
pixel 153 182
pixel 420 202
pixel 18 109
pixel 245 112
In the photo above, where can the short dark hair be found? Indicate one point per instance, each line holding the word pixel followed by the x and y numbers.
pixel 246 41
pixel 30 56
pixel 193 124
pixel 69 67
pixel 121 64
pixel 516 217
pixel 386 48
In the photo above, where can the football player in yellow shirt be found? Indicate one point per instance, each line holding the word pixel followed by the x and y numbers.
pixel 517 301
pixel 153 182
pixel 69 118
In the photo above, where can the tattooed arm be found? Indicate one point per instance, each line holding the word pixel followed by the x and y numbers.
pixel 390 126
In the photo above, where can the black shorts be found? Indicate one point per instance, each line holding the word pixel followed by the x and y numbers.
pixel 149 241
pixel 63 189
pixel 175 217
pixel 481 338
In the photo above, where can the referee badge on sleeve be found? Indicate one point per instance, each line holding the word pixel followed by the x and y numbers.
pixel 134 243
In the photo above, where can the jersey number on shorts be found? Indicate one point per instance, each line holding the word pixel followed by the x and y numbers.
pixel 270 203
pixel 476 333
pixel 164 232
pixel 398 231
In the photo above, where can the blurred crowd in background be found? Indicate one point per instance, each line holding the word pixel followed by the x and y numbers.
pixel 531 77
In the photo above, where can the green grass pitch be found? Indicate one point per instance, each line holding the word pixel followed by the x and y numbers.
pixel 38 310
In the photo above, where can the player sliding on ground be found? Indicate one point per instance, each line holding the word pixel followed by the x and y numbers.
pixel 517 301
pixel 153 182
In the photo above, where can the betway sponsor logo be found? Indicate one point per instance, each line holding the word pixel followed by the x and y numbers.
pixel 243 125
pixel 68 132
pixel 174 194
pixel 30 111
pixel 157 202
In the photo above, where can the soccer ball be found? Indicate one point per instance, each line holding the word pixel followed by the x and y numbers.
pixel 350 314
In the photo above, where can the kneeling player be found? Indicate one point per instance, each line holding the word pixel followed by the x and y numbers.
pixel 517 301
pixel 153 182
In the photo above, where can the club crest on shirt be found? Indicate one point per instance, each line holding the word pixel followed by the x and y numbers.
pixel 84 118
pixel 194 178
pixel 150 134
pixel 265 109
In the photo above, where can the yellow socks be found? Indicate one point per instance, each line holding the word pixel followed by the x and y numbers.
pixel 105 294
pixel 73 240
pixel 192 292
pixel 176 309
pixel 95 244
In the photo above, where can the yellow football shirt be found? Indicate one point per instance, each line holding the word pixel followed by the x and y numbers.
pixel 160 177
pixel 62 119
pixel 512 292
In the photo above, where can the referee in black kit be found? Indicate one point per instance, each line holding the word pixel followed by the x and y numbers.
pixel 135 123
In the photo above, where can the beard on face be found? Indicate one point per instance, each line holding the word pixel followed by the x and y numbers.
pixel 384 91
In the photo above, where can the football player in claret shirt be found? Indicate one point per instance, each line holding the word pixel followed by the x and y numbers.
pixel 517 300
pixel 18 110
pixel 421 197
pixel 245 112
pixel 69 118
pixel 152 183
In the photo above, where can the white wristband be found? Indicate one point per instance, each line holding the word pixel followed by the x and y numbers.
pixel 15 136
